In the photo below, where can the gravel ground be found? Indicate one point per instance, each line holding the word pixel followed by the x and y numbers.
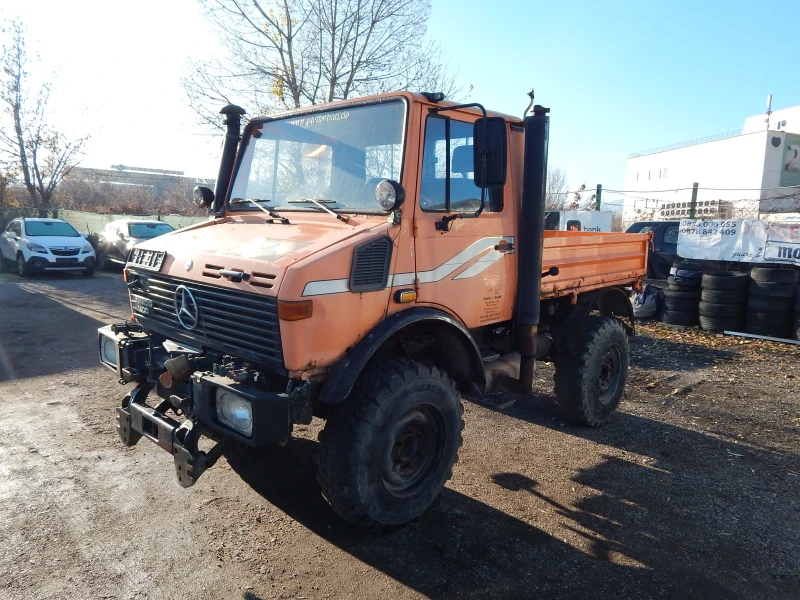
pixel 691 491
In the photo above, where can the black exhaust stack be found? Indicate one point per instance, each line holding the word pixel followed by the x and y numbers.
pixel 233 122
pixel 531 242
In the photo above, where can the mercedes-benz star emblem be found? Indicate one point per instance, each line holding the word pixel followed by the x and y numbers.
pixel 186 308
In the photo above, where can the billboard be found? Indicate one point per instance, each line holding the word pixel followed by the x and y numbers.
pixel 740 241
pixel 790 162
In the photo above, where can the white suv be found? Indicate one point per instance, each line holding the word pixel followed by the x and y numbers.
pixel 45 245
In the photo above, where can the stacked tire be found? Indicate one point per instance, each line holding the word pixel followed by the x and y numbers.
pixel 723 301
pixel 771 301
pixel 682 295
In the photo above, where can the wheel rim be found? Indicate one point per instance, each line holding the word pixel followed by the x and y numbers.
pixel 410 455
pixel 20 265
pixel 608 380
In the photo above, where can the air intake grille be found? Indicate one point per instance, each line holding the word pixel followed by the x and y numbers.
pixel 370 269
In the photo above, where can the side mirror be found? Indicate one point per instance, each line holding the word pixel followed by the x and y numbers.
pixel 203 196
pixel 490 144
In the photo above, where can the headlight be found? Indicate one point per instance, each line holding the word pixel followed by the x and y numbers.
pixel 36 248
pixel 235 412
pixel 108 351
pixel 389 194
pixel 86 249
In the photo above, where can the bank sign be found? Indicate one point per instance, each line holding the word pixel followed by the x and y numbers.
pixel 740 241
pixel 790 163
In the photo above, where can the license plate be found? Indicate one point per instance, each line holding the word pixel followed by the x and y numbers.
pixel 143 306
pixel 66 261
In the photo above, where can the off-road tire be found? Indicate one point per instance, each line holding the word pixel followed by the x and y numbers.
pixel 725 280
pixel 724 297
pixel 358 462
pixel 23 270
pixel 590 381
pixel 772 275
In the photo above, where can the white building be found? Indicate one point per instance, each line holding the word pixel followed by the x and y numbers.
pixel 747 167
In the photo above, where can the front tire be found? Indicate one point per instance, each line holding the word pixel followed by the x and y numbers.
pixel 590 381
pixel 22 267
pixel 388 449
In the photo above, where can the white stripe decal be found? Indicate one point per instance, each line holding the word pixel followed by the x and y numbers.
pixel 331 286
pixel 484 262
pixel 338 286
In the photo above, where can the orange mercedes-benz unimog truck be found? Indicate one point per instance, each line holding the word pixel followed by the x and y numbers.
pixel 368 262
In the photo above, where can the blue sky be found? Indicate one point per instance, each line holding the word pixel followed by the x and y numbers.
pixel 618 76
pixel 624 76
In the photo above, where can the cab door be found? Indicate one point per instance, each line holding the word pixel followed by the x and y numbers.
pixel 470 269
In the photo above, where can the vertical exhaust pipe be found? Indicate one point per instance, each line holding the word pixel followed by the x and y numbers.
pixel 233 122
pixel 531 246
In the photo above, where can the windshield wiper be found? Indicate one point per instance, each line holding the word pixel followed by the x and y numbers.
pixel 319 204
pixel 257 202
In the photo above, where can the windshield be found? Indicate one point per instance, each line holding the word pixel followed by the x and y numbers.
pixel 337 157
pixel 148 230
pixel 50 229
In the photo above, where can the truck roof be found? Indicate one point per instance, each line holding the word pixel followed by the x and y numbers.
pixel 411 96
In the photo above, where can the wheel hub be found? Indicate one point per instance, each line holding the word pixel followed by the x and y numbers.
pixel 609 376
pixel 410 450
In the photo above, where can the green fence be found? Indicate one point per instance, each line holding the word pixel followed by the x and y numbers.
pixel 87 222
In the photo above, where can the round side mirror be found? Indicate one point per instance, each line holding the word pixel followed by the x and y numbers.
pixel 389 195
pixel 203 196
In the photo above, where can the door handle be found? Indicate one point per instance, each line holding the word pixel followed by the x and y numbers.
pixel 504 246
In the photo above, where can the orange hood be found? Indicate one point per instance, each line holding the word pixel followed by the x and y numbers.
pixel 262 250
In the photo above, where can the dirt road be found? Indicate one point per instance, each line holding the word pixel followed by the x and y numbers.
pixel 693 490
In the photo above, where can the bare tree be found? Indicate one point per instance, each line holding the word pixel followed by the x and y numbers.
pixel 290 53
pixel 44 155
pixel 556 194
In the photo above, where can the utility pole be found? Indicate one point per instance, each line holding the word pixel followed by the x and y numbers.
pixel 693 205
pixel 597 196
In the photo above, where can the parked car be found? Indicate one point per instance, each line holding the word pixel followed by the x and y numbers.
pixel 119 237
pixel 665 246
pixel 45 245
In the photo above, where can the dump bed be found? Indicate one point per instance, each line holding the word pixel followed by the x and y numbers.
pixel 588 261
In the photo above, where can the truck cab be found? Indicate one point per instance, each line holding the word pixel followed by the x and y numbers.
pixel 369 262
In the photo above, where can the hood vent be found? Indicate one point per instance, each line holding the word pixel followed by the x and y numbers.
pixel 262 279
pixel 212 271
pixel 370 270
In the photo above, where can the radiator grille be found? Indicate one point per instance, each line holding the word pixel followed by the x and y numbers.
pixel 242 324
pixel 370 269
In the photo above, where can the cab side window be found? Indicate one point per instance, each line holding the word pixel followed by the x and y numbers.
pixel 17 228
pixel 448 166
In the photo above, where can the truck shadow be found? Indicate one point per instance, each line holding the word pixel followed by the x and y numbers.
pixel 465 548
pixel 41 336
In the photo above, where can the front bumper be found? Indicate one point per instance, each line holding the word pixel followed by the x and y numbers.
pixel 39 263
pixel 136 357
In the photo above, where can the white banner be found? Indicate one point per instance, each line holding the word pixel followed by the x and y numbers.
pixel 740 241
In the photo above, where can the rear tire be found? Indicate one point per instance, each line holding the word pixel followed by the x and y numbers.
pixel 102 263
pixel 589 383
pixel 388 449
